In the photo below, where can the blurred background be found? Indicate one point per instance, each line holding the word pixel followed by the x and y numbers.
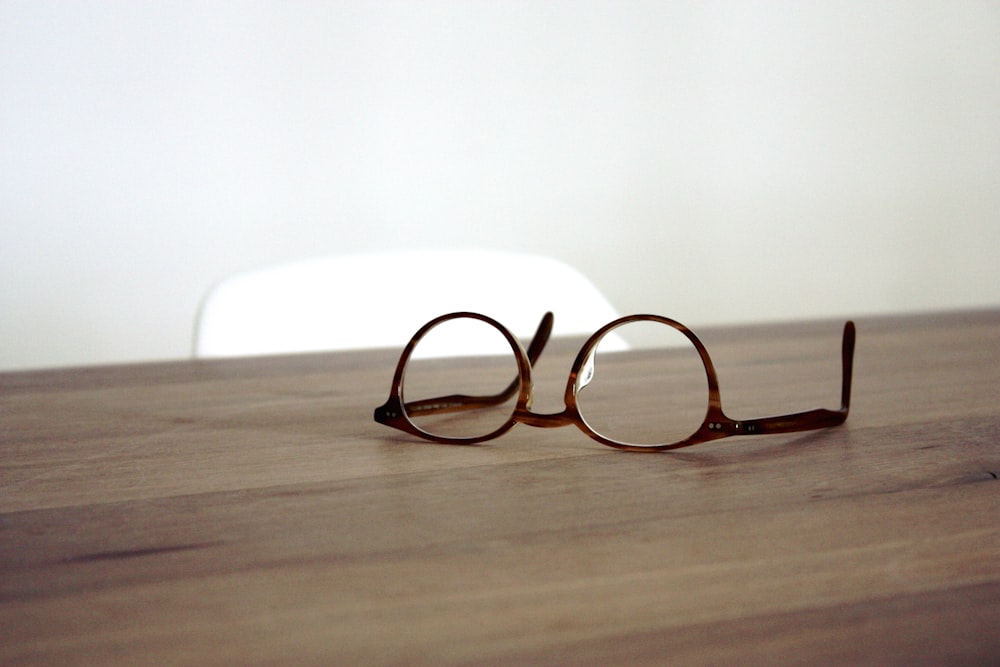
pixel 717 162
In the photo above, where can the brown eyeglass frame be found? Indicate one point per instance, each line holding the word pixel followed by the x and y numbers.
pixel 716 425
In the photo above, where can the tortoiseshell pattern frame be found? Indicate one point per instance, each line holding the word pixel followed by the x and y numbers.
pixel 716 424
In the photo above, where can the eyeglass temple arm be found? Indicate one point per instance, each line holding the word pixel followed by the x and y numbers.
pixel 457 402
pixel 810 419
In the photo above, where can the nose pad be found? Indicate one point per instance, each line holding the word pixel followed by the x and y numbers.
pixel 587 371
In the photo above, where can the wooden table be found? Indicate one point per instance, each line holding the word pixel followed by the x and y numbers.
pixel 251 512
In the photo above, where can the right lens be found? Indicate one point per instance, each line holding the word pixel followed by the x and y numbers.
pixel 653 394
pixel 462 380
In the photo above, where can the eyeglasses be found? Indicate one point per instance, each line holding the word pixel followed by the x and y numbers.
pixel 664 394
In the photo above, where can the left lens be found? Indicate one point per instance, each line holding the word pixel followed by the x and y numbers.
pixel 653 394
pixel 462 380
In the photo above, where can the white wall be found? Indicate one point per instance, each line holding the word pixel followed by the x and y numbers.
pixel 715 161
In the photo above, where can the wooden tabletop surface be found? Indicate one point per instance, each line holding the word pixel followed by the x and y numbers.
pixel 251 512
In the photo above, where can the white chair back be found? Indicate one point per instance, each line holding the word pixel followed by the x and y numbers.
pixel 381 299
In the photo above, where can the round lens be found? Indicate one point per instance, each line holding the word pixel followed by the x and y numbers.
pixel 462 380
pixel 653 394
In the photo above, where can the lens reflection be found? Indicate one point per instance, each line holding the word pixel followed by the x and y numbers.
pixel 654 395
pixel 461 380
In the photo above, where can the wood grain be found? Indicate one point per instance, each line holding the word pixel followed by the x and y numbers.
pixel 251 512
